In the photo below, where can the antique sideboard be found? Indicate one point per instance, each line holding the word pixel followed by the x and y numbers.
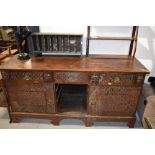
pixel 86 88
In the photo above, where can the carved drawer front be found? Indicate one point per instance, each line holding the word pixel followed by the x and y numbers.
pixel 30 97
pixel 27 75
pixel 113 100
pixel 71 77
pixel 116 79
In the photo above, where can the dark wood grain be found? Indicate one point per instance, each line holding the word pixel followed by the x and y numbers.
pixel 83 64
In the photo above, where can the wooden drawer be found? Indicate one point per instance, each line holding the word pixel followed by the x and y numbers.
pixel 71 77
pixel 27 86
pixel 27 75
pixel 116 79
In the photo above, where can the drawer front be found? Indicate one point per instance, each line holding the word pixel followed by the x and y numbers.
pixel 27 75
pixel 71 77
pixel 116 79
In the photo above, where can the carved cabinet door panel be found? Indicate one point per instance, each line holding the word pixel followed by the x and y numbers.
pixel 31 97
pixel 113 100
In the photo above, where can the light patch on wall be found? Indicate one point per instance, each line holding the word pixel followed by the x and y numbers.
pixel 149 65
pixel 152 28
pixel 109 47
pixel 93 32
pixel 153 45
pixel 147 62
pixel 115 31
pixel 144 42
pixel 62 29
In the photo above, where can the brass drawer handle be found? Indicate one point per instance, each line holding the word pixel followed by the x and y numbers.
pixel 47 76
pixel 117 80
pixel 35 82
pixel 95 79
pixel 71 77
pixel 26 77
pixel 109 83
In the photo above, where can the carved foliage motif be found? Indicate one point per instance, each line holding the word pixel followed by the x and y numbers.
pixel 115 79
pixel 113 100
pixel 95 79
pixel 70 77
pixel 5 75
pixel 109 93
pixel 26 75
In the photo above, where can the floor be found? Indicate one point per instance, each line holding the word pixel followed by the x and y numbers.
pixel 64 124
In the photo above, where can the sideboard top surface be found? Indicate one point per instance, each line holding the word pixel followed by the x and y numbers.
pixel 82 64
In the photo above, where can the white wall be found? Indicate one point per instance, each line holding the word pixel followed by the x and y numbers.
pixel 146 41
pixel 146 48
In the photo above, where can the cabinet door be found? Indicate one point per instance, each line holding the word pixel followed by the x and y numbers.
pixel 113 100
pixel 31 97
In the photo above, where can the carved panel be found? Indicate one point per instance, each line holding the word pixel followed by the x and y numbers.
pixel 26 75
pixel 29 97
pixel 70 77
pixel 48 76
pixel 5 75
pixel 95 79
pixel 116 79
pixel 113 100
pixel 3 101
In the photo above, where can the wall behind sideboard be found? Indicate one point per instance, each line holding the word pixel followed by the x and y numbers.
pixel 146 41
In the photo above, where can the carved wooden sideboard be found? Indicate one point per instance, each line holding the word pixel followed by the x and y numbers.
pixel 87 88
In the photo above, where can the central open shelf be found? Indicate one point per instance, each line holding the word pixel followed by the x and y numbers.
pixel 71 98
